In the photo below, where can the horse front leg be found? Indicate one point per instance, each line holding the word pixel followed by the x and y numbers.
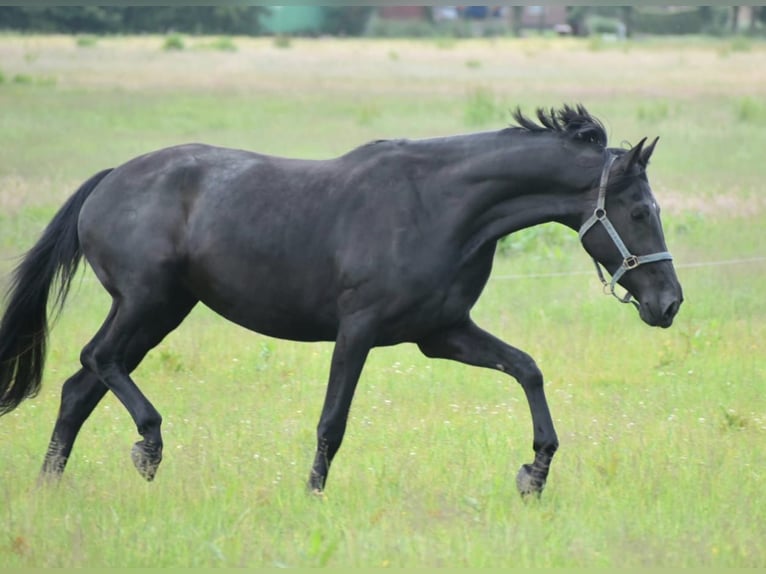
pixel 469 344
pixel 353 343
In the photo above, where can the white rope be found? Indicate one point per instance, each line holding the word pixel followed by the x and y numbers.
pixel 678 266
pixel 719 263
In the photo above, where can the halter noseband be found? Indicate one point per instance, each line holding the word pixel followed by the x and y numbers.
pixel 629 261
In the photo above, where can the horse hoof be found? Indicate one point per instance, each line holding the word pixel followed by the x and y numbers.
pixel 527 484
pixel 316 483
pixel 146 459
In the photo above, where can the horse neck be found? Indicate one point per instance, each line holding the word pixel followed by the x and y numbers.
pixel 514 181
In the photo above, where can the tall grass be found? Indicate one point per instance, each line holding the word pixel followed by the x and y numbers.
pixel 661 432
pixel 481 107
pixel 751 110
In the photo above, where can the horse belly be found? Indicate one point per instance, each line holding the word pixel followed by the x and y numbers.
pixel 261 303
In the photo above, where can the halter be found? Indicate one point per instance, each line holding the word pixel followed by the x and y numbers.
pixel 629 261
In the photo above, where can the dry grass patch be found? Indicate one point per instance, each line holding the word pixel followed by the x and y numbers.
pixel 528 66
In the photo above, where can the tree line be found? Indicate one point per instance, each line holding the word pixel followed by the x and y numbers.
pixel 133 19
pixel 714 20
pixel 342 20
pixel 234 20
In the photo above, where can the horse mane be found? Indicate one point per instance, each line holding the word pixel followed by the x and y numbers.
pixel 576 122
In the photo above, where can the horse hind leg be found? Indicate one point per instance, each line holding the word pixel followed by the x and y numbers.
pixel 79 396
pixel 83 391
pixel 134 326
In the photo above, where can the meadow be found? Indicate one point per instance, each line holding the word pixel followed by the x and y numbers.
pixel 662 459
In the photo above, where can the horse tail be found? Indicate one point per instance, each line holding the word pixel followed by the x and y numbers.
pixel 24 326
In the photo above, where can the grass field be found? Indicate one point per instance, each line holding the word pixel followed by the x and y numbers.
pixel 662 459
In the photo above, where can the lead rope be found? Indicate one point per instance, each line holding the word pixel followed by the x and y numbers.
pixel 629 261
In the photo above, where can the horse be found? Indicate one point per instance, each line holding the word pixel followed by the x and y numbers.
pixel 392 242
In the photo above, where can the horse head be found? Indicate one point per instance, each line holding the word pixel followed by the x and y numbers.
pixel 624 234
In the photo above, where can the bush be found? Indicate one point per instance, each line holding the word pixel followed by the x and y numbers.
pixel 28 80
pixel 174 42
pixel 86 41
pixel 740 44
pixel 23 79
pixel 222 44
pixel 751 111
pixel 282 41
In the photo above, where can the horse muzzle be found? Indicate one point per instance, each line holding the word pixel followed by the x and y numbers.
pixel 660 311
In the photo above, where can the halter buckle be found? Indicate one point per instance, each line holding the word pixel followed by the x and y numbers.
pixel 630 262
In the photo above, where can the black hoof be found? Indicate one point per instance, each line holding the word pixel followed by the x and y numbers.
pixel 527 483
pixel 146 459
pixel 52 469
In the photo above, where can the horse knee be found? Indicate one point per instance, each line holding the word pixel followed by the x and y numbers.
pixel 92 360
pixel 533 378
pixel 527 373
pixel 103 362
pixel 113 374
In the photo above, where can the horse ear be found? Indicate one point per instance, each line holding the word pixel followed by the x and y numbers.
pixel 631 157
pixel 647 153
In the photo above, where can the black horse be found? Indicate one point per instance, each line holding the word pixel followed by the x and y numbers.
pixel 392 242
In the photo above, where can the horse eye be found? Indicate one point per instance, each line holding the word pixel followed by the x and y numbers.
pixel 639 213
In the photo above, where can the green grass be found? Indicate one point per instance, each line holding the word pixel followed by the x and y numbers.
pixel 662 431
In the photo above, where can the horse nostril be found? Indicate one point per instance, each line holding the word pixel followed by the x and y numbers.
pixel 671 310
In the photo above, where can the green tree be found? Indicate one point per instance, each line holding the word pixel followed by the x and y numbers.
pixel 735 12
pixel 517 15
pixel 346 20
pixel 134 19
pixel 576 16
pixel 626 15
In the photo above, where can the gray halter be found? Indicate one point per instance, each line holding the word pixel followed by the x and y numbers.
pixel 629 261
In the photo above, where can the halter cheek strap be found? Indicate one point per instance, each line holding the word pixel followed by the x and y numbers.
pixel 629 261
